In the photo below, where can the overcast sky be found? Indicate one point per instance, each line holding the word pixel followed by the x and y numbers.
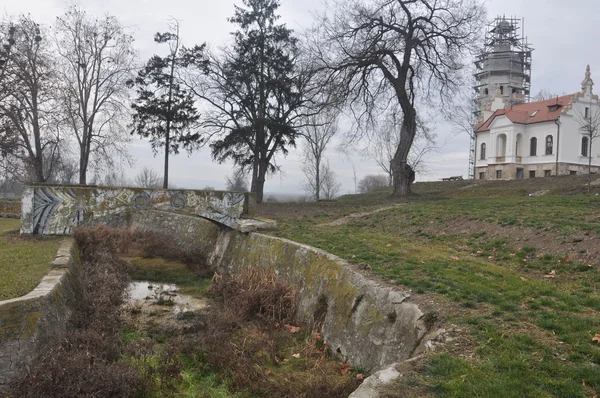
pixel 564 35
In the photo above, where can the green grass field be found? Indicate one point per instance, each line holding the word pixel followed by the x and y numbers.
pixel 23 261
pixel 521 274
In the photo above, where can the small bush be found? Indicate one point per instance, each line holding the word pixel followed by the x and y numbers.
pixel 255 291
pixel 254 343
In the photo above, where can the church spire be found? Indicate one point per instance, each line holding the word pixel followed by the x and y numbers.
pixel 587 83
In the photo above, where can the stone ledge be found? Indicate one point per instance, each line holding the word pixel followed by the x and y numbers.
pixel 254 224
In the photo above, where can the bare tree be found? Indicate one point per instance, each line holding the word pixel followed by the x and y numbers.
pixel 237 181
pixel 113 178
pixel 371 182
pixel 542 95
pixel 588 119
pixel 147 178
pixel 259 91
pixel 382 52
pixel 384 143
pixel 97 59
pixel 317 135
pixel 29 134
pixel 330 187
pixel 7 41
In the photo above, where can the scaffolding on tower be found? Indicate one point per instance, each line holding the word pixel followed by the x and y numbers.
pixel 503 67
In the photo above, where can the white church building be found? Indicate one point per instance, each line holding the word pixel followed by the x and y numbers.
pixel 557 136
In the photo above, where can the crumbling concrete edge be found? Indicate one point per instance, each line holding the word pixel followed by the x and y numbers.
pixel 34 321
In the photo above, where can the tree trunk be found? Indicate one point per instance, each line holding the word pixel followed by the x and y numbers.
pixel 402 174
pixel 38 168
pixel 590 167
pixel 260 182
pixel 166 171
pixel 318 179
pixel 83 169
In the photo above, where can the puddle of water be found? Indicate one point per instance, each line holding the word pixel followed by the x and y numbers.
pixel 148 293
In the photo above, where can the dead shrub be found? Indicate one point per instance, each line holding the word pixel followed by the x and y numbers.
pixel 86 362
pixel 254 347
pixel 255 292
pixel 152 244
pixel 148 244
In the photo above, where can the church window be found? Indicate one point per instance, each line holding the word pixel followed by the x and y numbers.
pixel 533 147
pixel 584 146
pixel 587 112
pixel 483 151
pixel 549 145
pixel 502 90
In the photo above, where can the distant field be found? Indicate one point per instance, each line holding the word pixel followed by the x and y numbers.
pixel 518 276
pixel 23 261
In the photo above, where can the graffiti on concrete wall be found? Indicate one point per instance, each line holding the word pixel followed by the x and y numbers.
pixel 57 210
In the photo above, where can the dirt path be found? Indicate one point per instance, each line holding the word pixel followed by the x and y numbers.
pixel 348 218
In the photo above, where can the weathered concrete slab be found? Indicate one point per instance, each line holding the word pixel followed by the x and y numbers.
pixel 372 385
pixel 255 224
pixel 58 209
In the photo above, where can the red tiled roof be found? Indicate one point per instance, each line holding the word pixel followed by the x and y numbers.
pixel 524 113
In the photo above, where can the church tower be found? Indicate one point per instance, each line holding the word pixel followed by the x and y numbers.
pixel 503 76
pixel 504 65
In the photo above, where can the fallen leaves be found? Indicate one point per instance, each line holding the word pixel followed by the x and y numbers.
pixel 551 274
pixel 454 258
pixel 360 377
pixel 297 356
pixel 523 279
pixel 292 329
pixel 596 338
pixel 345 369
pixel 388 245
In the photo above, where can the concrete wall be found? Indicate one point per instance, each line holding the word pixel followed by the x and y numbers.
pixel 39 318
pixel 57 209
pixel 370 324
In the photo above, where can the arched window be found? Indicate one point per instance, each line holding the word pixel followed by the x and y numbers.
pixel 486 91
pixel 549 145
pixel 501 146
pixel 482 151
pixel 584 146
pixel 533 147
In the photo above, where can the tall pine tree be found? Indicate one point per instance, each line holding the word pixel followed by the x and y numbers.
pixel 164 110
pixel 256 92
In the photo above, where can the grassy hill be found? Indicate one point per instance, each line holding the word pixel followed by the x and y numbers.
pixel 514 278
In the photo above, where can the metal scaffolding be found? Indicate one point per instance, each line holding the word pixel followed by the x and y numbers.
pixel 503 67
